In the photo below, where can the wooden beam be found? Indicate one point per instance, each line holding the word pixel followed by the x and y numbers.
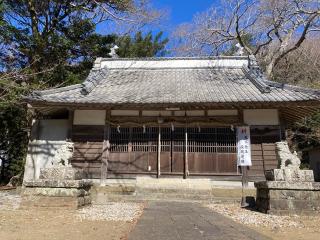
pixel 159 154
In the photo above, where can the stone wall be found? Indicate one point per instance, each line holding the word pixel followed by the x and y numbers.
pixel 57 187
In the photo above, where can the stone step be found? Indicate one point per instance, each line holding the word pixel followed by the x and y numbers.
pixel 99 199
pixel 104 194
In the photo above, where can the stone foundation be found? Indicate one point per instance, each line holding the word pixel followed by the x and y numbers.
pixel 289 175
pixel 288 190
pixel 283 198
pixel 60 187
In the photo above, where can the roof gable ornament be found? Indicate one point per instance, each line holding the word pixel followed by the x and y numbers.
pixel 253 63
pixel 113 53
pixel 94 78
pixel 240 50
pixel 257 78
pixel 255 75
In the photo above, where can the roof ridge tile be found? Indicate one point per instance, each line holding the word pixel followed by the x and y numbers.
pixel 257 78
pixel 94 78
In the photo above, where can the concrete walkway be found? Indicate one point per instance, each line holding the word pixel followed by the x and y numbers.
pixel 188 221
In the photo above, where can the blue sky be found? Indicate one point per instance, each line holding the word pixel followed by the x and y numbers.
pixel 183 10
pixel 179 11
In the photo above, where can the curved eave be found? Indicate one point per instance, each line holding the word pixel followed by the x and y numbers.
pixel 252 104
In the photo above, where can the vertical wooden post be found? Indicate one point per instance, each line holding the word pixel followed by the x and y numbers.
pixel 240 122
pixel 159 153
pixel 105 148
pixel 240 116
pixel 244 181
pixel 186 170
pixel 70 123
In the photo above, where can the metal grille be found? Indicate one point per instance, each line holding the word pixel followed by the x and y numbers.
pixel 134 139
pixel 144 139
pixel 211 140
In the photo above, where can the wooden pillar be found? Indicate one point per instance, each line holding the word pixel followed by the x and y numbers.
pixel 159 153
pixel 70 123
pixel 186 170
pixel 240 122
pixel 105 148
pixel 240 116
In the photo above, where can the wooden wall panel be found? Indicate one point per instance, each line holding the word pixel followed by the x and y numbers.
pixel 210 150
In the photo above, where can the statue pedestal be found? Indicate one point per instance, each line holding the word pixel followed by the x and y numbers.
pixel 289 175
pixel 61 187
pixel 285 198
pixel 288 190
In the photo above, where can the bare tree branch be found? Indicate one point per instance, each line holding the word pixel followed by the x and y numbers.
pixel 268 29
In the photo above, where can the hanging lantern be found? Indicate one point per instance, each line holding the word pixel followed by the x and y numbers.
pixel 172 127
pixel 144 128
pixel 118 128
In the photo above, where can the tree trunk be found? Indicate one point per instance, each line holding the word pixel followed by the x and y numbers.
pixel 269 69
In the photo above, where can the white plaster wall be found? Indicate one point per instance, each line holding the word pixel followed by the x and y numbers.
pixel 124 113
pixel 89 117
pixel 195 113
pixel 48 148
pixel 223 112
pixel 155 113
pixel 52 129
pixel 261 116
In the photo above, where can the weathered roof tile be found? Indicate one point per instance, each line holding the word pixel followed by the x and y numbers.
pixel 143 85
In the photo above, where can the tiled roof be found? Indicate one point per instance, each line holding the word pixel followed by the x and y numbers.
pixel 173 82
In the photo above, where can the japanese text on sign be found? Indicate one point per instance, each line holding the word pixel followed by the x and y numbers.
pixel 243 146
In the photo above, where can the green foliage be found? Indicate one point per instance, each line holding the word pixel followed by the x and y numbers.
pixel 142 46
pixel 14 139
pixel 306 134
pixel 52 43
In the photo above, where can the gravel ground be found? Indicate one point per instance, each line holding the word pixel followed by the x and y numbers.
pixel 113 221
pixel 9 200
pixel 254 218
pixel 275 227
pixel 113 211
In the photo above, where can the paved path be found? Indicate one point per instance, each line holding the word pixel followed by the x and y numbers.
pixel 188 221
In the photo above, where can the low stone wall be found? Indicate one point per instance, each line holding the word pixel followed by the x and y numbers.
pixel 28 202
pixel 61 187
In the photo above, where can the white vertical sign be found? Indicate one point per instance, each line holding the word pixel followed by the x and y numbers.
pixel 243 146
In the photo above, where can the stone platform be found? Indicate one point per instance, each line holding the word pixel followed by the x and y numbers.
pixel 61 187
pixel 288 191
pixel 283 198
